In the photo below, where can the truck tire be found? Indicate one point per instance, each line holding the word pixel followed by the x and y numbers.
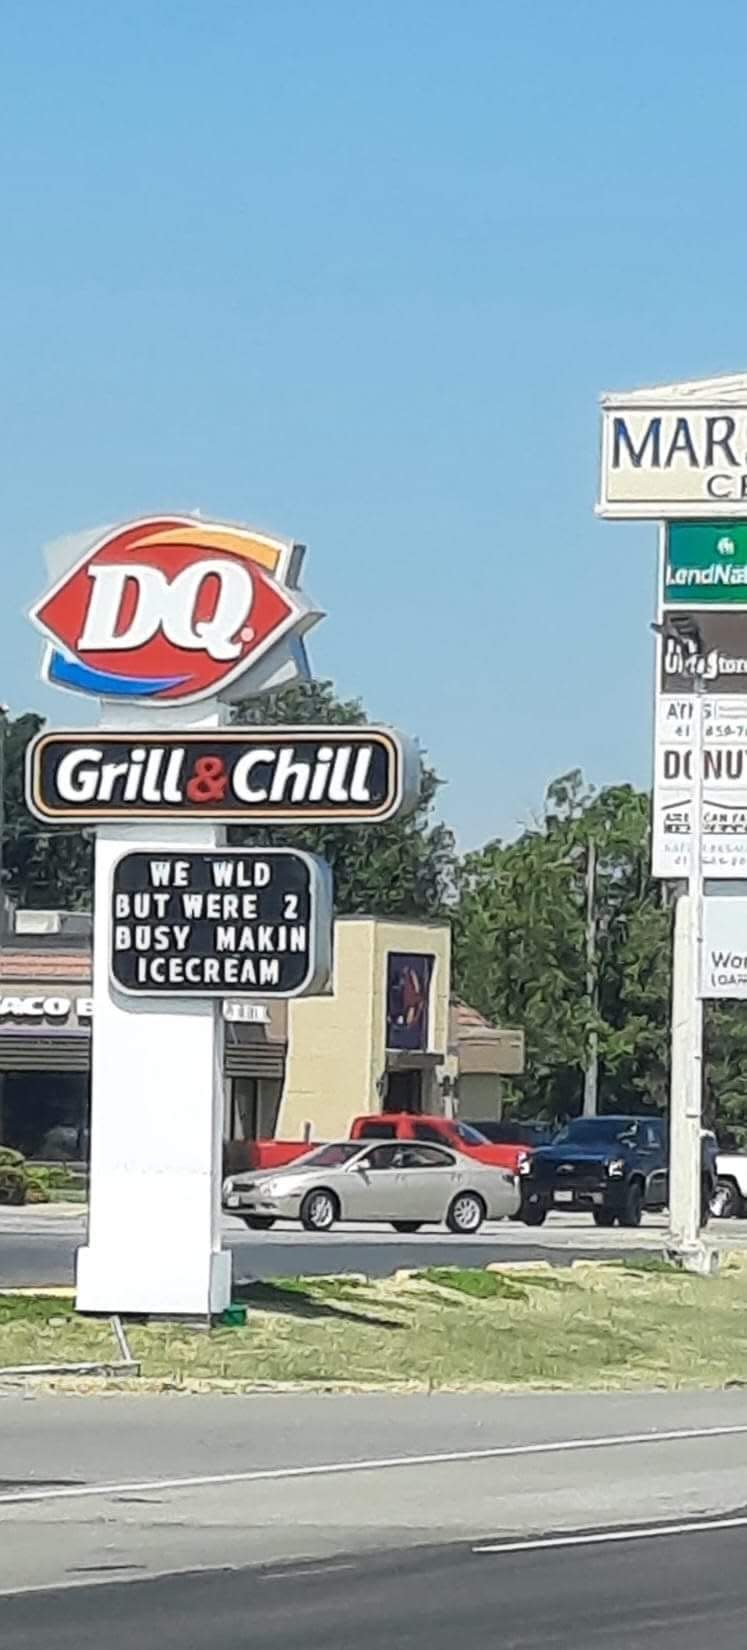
pixel 604 1217
pixel 727 1202
pixel 407 1225
pixel 633 1204
pixel 534 1212
pixel 258 1223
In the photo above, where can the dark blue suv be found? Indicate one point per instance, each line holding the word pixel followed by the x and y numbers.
pixel 614 1166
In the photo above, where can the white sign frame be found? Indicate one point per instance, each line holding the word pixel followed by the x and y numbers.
pixel 725 803
pixel 319 965
pixel 724 930
pixel 700 419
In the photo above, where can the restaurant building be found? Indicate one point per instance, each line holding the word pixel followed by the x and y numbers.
pixel 387 1036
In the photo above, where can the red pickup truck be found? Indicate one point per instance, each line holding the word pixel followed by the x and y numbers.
pixel 399 1125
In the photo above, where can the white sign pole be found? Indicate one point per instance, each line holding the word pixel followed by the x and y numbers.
pixel 685 1147
pixel 154 1232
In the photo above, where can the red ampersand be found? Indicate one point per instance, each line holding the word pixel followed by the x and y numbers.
pixel 209 780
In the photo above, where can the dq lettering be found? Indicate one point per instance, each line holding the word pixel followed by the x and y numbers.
pixel 169 605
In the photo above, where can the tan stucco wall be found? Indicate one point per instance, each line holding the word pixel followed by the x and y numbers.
pixel 336 1044
pixel 479 1095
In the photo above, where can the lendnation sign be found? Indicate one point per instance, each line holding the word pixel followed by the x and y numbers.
pixel 705 564
pixel 676 451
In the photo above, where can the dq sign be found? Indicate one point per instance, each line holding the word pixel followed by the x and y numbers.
pixel 171 610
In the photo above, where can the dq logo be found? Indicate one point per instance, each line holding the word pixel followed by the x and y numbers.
pixel 171 609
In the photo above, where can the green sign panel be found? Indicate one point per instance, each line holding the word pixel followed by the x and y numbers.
pixel 706 563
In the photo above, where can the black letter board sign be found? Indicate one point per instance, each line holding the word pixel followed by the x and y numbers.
pixel 221 923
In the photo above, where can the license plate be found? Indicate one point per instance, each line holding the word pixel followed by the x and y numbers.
pixel 233 1201
pixel 564 1197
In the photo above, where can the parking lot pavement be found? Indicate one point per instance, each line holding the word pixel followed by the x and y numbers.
pixel 37 1248
pixel 576 1230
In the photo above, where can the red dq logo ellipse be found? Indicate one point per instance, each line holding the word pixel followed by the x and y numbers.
pixel 170 609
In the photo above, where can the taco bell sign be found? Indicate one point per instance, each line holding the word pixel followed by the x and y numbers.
pixel 678 451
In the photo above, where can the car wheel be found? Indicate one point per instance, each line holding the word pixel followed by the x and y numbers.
pixel 603 1217
pixel 319 1210
pixel 466 1214
pixel 726 1203
pixel 633 1205
pixel 259 1223
pixel 534 1212
pixel 407 1225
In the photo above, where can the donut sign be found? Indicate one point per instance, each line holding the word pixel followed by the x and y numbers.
pixel 173 609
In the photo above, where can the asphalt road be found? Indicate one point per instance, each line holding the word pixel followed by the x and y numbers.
pixel 38 1248
pixel 672 1593
pixel 130 1487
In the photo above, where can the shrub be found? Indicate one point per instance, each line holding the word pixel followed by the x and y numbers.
pixel 23 1182
pixel 13 1176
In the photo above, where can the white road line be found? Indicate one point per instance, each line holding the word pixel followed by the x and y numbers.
pixel 330 1469
pixel 599 1538
pixel 283 1573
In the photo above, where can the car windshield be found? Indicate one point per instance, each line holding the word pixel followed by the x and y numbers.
pixel 591 1131
pixel 330 1156
pixel 473 1137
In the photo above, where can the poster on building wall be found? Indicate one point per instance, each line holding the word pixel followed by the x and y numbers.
pixel 249 921
pixel 409 976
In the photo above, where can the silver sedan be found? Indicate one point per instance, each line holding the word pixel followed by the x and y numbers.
pixel 402 1182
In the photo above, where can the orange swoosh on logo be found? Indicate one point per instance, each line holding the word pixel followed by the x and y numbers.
pixel 266 552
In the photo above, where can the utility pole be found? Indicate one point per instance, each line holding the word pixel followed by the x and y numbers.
pixel 591 1072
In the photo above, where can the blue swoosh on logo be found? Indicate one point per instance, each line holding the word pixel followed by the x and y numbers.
pixel 62 672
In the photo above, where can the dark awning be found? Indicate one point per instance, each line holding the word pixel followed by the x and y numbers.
pixel 246 1055
pixel 249 1052
pixel 32 1051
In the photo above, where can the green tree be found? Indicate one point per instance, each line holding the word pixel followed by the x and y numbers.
pixel 521 947
pixel 42 867
pixel 406 868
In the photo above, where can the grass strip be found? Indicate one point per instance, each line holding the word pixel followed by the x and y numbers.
pixel 596 1325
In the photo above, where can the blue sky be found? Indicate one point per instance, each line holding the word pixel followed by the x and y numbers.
pixel 357 274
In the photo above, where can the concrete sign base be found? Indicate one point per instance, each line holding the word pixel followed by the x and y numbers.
pixel 154 1226
pixel 156 1132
